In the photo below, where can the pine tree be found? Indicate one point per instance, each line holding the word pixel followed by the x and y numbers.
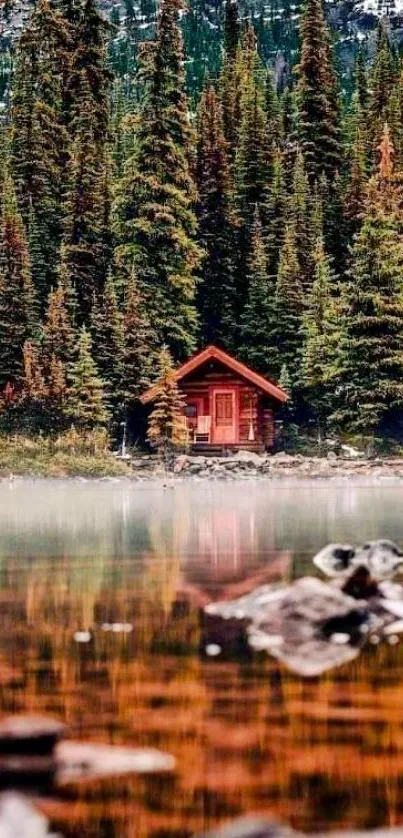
pixel 58 340
pixel 258 323
pixel 84 223
pixel 276 215
pixel 229 78
pixel 289 305
pixel 320 340
pixel 108 346
pixel 86 394
pixel 33 387
pixel 17 299
pixel 361 82
pixel 272 110
pixel 383 78
pixel 299 214
pixel 370 358
pixel 38 139
pixel 88 75
pixel 253 167
pixel 216 224
pixel 319 127
pixel 289 143
pixel 156 195
pixel 140 347
pixel 354 197
pixel 165 427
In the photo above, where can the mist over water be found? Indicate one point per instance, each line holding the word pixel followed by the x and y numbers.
pixel 248 736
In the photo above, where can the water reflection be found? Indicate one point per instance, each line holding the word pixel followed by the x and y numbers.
pixel 247 735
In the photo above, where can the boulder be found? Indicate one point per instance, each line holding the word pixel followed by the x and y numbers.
pixel 249 458
pixel 19 819
pixel 30 735
pixel 296 623
pixel 87 761
pixel 181 464
pixel 251 826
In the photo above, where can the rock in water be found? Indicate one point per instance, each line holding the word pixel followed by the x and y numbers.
pixel 335 559
pixel 306 618
pixel 295 624
pixel 383 558
pixel 29 735
pixel 81 760
pixel 251 827
pixel 18 819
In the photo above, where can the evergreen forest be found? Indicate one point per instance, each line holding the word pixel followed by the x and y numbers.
pixel 142 218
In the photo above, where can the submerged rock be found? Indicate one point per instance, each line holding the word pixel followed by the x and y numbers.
pixel 251 827
pixel 81 760
pixel 31 753
pixel 382 558
pixel 19 819
pixel 311 625
pixel 30 735
pixel 254 827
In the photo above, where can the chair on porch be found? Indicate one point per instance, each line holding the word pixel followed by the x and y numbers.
pixel 203 429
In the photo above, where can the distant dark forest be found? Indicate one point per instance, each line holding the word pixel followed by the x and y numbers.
pixel 141 220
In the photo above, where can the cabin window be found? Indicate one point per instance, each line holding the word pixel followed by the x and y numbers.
pixel 191 411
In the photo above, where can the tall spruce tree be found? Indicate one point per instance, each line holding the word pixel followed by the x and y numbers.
pixel 253 167
pixel 289 305
pixel 383 78
pixel 370 359
pixel 166 427
pixel 18 317
pixel 216 225
pixel 229 78
pixel 258 335
pixel 108 346
pixel 39 140
pixel 84 222
pixel 155 202
pixel 320 337
pixel 140 349
pixel 319 119
pixel 86 395
pixel 58 333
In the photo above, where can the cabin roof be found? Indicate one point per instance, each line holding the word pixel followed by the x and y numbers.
pixel 212 352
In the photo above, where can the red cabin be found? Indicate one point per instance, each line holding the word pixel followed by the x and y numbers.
pixel 227 404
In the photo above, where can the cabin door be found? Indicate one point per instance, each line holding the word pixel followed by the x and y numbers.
pixel 224 416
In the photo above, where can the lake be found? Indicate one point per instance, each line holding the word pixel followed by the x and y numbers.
pixel 247 735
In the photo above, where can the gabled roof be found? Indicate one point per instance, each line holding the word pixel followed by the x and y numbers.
pixel 212 352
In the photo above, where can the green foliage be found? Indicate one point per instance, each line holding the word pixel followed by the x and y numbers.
pixel 140 350
pixel 156 194
pixel 320 340
pixel 108 346
pixel 224 225
pixel 318 107
pixel 166 422
pixel 39 140
pixel 17 298
pixel 259 319
pixel 86 394
pixel 370 359
pixel 289 305
pixel 216 224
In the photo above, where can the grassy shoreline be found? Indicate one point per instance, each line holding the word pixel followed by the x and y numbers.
pixel 89 455
pixel 70 455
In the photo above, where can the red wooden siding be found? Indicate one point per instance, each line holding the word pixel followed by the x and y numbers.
pixel 239 401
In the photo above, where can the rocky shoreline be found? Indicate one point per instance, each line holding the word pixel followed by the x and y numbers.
pixel 242 465
pixel 248 465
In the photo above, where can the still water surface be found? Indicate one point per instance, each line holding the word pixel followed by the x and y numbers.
pixel 247 735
